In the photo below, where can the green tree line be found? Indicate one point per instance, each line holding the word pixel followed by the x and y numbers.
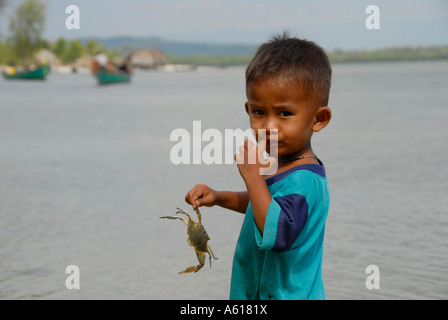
pixel 27 23
pixel 391 54
pixel 66 51
pixel 26 26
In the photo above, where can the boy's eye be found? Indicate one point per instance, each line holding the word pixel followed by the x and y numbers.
pixel 258 112
pixel 285 113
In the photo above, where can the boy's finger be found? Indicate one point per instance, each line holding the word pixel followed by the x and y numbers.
pixel 249 144
pixel 195 196
pixel 260 151
pixel 191 201
pixel 189 196
pixel 239 158
pixel 262 145
pixel 243 149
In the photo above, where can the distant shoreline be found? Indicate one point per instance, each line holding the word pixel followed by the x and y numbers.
pixel 390 54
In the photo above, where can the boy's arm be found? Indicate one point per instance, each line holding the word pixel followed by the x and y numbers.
pixel 258 192
pixel 260 199
pixel 236 201
pixel 204 196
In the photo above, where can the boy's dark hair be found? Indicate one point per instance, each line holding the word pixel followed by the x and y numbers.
pixel 293 62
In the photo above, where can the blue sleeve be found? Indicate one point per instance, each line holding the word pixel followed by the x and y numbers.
pixel 285 220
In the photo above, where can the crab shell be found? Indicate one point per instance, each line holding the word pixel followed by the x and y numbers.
pixel 198 236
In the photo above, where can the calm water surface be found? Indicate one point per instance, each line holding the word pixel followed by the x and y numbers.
pixel 85 172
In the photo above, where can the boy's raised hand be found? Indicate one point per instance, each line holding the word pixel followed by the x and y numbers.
pixel 201 196
pixel 251 161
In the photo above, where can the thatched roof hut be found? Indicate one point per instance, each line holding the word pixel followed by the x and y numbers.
pixel 45 56
pixel 84 61
pixel 148 59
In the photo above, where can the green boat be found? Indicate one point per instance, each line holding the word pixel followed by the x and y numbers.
pixel 38 74
pixel 105 77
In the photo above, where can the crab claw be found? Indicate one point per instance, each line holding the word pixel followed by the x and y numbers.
pixel 192 269
pixel 201 259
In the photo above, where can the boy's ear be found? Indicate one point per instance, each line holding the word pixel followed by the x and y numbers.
pixel 323 117
pixel 246 105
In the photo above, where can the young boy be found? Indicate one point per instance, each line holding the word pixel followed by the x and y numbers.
pixel 279 250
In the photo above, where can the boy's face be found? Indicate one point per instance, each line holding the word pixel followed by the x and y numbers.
pixel 273 105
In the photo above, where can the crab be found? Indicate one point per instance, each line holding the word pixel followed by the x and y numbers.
pixel 197 238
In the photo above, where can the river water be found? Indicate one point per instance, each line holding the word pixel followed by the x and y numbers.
pixel 85 172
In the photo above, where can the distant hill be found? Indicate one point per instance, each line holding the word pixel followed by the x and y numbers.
pixel 240 54
pixel 176 48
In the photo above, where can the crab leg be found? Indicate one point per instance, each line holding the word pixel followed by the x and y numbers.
pixel 174 218
pixel 201 259
pixel 210 251
pixel 199 215
pixel 183 212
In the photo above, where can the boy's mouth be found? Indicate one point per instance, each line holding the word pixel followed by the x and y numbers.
pixel 272 144
pixel 272 141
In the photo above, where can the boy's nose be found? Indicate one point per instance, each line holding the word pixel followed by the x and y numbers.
pixel 270 126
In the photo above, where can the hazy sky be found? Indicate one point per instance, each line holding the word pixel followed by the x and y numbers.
pixel 331 23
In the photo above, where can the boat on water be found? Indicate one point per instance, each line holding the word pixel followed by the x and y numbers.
pixel 106 72
pixel 37 74
pixel 107 77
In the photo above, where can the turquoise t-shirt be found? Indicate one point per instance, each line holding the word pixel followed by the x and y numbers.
pixel 285 263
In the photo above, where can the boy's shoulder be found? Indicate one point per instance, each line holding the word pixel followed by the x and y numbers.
pixel 298 172
pixel 297 180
